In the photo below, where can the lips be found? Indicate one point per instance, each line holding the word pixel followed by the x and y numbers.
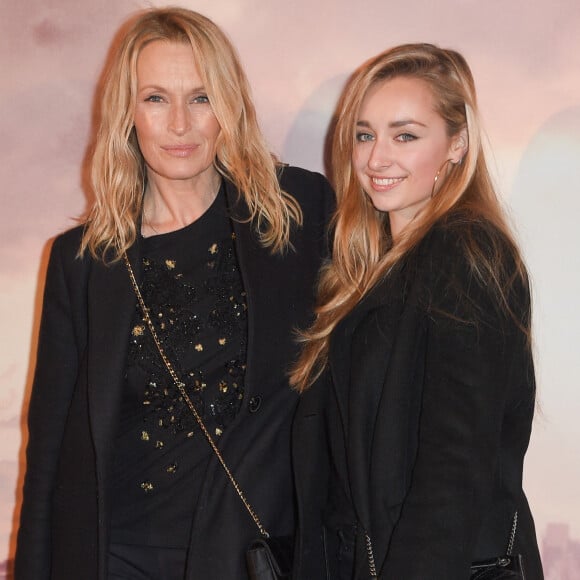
pixel 180 150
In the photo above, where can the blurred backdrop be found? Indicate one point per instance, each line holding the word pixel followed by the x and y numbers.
pixel 526 60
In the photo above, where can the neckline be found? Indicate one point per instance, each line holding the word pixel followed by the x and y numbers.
pixel 199 223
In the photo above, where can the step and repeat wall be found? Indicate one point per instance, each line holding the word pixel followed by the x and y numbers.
pixel 526 61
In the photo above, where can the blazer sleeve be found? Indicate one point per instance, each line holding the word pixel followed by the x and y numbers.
pixel 54 380
pixel 470 349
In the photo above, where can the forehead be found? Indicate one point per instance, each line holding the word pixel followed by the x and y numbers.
pixel 167 59
pixel 400 96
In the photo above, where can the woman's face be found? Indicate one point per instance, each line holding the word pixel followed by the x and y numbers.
pixel 401 144
pixel 175 125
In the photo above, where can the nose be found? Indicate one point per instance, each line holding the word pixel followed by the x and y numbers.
pixel 179 121
pixel 381 156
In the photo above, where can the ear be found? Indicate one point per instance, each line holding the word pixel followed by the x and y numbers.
pixel 459 146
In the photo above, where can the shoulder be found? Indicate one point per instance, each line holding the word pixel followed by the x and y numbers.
pixel 292 176
pixel 459 231
pixel 467 260
pixel 461 243
pixel 307 187
pixel 65 249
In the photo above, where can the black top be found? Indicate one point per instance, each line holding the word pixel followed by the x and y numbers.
pixel 192 286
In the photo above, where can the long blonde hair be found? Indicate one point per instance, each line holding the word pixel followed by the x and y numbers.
pixel 118 175
pixel 363 249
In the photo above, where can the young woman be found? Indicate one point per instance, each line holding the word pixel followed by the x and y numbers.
pixel 417 374
pixel 225 245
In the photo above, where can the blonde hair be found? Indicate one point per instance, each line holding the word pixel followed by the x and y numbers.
pixel 363 250
pixel 118 176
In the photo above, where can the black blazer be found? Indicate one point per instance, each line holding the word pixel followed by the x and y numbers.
pixel 428 414
pixel 77 388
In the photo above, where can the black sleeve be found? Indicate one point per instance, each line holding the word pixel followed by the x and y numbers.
pixel 54 380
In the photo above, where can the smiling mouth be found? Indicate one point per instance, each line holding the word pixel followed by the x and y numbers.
pixel 386 181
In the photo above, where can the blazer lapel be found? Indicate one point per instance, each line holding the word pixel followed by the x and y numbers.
pixel 246 249
pixel 360 362
pixel 110 311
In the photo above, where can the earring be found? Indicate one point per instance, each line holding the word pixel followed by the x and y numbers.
pixel 438 174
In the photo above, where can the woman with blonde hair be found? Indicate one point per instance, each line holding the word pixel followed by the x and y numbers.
pixel 416 376
pixel 177 297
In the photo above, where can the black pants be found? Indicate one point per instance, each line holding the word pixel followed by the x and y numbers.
pixel 128 562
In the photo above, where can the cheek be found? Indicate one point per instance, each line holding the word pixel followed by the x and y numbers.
pixel 143 129
pixel 214 132
pixel 427 166
pixel 210 127
pixel 359 159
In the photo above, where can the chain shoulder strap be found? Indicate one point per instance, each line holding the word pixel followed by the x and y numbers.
pixel 512 539
pixel 181 387
pixel 370 556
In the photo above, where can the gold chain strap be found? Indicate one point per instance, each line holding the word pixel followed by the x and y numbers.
pixel 370 556
pixel 181 387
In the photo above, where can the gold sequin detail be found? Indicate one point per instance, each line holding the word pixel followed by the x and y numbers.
pixel 223 387
pixel 138 330
pixel 147 486
pixel 159 444
pixel 172 468
pixel 199 347
pixel 218 431
pixel 144 436
pixel 213 249
pixel 170 264
pixel 222 341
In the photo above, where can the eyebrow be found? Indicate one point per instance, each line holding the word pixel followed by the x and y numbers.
pixel 393 124
pixel 155 87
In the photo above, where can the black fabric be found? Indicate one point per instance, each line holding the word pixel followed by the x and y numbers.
pixel 190 282
pixel 127 562
pixel 77 395
pixel 429 401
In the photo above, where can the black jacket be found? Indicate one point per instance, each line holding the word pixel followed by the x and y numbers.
pixel 427 408
pixel 77 388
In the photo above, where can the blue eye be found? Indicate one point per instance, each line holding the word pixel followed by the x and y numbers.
pixel 201 99
pixel 153 99
pixel 364 137
pixel 406 137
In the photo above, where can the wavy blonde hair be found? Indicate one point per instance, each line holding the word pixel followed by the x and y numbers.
pixel 363 249
pixel 117 167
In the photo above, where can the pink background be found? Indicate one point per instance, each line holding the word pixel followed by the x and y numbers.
pixel 526 60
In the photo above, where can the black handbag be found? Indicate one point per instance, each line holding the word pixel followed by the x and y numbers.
pixel 270 558
pixel 267 558
pixel 508 567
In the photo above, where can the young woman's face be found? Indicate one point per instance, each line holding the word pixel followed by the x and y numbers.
pixel 175 125
pixel 401 145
